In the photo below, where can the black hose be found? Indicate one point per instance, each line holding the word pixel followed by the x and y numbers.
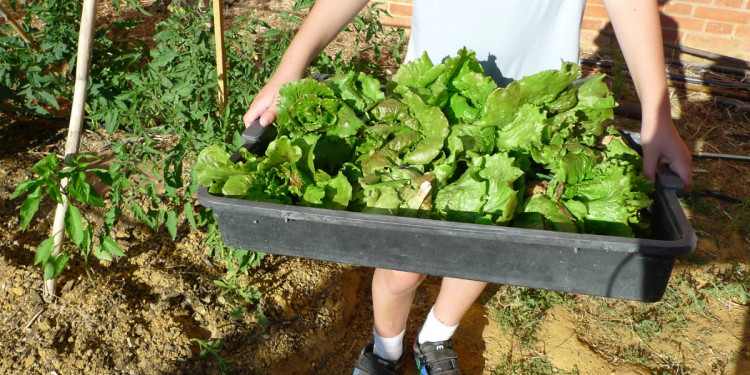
pixel 709 155
pixel 712 194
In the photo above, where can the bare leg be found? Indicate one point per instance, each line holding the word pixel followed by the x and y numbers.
pixel 455 298
pixel 392 295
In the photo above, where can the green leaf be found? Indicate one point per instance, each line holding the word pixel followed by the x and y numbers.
pixel 109 218
pixel 44 250
pixel 58 265
pixel 102 254
pixel 49 99
pixel 74 224
pixel 26 186
pixel 171 223
pixel 270 33
pixel 110 246
pixel 29 207
pixel 83 191
pixel 188 209
pixel 163 59
pixel 45 166
pixel 463 199
pixel 49 269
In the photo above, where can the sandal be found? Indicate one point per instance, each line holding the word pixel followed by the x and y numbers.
pixel 370 364
pixel 437 357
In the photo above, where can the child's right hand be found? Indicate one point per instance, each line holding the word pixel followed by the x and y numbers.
pixel 263 107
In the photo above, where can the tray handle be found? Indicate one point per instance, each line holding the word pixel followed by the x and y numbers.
pixel 253 133
pixel 669 180
pixel 665 178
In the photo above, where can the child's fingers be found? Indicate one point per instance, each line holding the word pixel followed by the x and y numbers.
pixel 681 166
pixel 649 167
pixel 263 107
pixel 685 171
pixel 269 116
pixel 250 116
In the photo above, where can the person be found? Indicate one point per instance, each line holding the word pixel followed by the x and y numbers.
pixel 518 38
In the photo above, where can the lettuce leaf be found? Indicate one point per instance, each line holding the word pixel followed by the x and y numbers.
pixel 310 106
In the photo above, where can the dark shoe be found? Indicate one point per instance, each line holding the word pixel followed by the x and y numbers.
pixel 370 364
pixel 435 358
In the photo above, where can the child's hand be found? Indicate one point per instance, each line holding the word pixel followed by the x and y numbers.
pixel 264 105
pixel 326 19
pixel 663 145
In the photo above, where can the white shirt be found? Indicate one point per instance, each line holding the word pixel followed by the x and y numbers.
pixel 511 38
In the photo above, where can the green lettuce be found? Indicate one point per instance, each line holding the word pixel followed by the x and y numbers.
pixel 310 106
pixel 444 142
pixel 485 192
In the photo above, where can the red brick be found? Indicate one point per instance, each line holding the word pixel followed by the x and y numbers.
pixel 742 32
pixel 595 11
pixel 401 10
pixel 678 8
pixel 712 43
pixel 729 3
pixel 397 21
pixel 594 24
pixel 719 28
pixel 725 15
pixel 681 23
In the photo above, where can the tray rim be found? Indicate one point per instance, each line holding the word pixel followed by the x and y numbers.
pixel 685 244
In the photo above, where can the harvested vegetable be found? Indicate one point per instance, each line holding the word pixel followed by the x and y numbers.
pixel 443 142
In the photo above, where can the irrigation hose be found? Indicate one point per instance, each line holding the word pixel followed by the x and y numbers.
pixel 712 194
pixel 709 155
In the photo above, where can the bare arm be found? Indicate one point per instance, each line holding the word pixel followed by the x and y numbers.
pixel 326 19
pixel 638 29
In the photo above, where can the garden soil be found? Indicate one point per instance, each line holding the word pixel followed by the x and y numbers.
pixel 144 313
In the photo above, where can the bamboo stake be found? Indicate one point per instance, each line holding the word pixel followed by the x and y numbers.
pixel 221 58
pixel 83 60
pixel 5 13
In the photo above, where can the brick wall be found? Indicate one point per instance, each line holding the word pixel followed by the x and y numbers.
pixel 718 26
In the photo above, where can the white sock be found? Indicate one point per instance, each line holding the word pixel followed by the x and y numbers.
pixel 389 348
pixel 434 330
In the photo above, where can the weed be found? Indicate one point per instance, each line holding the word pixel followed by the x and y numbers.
pixel 694 258
pixel 520 310
pixel 671 314
pixel 530 366
pixel 212 347
pixel 740 214
pixel 729 287
pixel 635 354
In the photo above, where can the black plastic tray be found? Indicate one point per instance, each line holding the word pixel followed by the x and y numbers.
pixel 608 266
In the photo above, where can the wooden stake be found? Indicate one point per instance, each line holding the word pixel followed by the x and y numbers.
pixel 221 58
pixel 5 13
pixel 83 61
